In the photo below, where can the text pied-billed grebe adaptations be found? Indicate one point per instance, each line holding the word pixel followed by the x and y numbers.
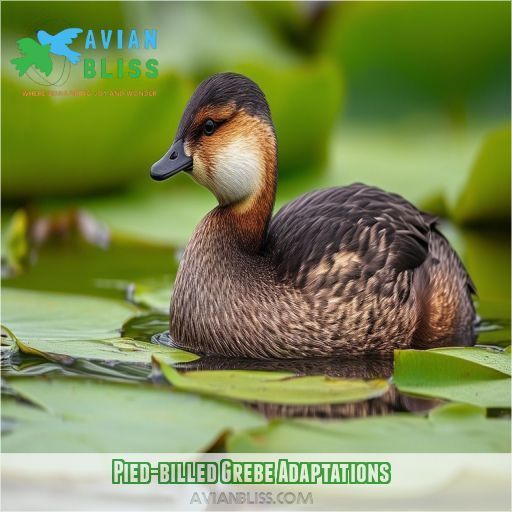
pixel 346 270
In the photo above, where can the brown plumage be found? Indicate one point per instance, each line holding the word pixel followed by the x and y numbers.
pixel 342 271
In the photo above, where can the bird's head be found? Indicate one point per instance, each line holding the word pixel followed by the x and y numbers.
pixel 43 37
pixel 225 139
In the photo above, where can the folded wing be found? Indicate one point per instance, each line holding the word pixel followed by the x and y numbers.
pixel 365 227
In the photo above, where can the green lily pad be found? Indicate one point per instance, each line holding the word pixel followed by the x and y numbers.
pixel 123 135
pixel 162 213
pixel 77 415
pixel 275 387
pixel 230 21
pixel 154 294
pixel 495 359
pixel 486 254
pixel 486 195
pixel 144 327
pixel 451 428
pixel 65 327
pixel 441 159
pixel 27 365
pixel 286 89
pixel 462 65
pixel 473 376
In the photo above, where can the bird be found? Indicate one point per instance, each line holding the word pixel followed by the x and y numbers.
pixel 35 55
pixel 344 271
pixel 59 43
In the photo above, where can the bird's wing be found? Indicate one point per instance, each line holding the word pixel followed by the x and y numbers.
pixel 360 228
pixel 44 63
pixel 28 46
pixel 67 36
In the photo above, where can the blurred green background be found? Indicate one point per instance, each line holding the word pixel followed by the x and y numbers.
pixel 413 97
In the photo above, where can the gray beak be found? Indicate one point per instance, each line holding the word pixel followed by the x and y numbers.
pixel 174 161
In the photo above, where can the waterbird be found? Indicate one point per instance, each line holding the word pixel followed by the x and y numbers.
pixel 34 54
pixel 59 43
pixel 342 271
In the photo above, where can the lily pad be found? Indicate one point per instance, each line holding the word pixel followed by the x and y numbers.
pixel 162 213
pixel 451 428
pixel 107 126
pixel 486 255
pixel 462 65
pixel 64 327
pixel 441 159
pixel 473 376
pixel 486 195
pixel 495 333
pixel 495 359
pixel 154 294
pixel 275 387
pixel 286 88
pixel 230 21
pixel 144 327
pixel 28 365
pixel 77 415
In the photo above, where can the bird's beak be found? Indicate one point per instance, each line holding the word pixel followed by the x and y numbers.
pixel 174 161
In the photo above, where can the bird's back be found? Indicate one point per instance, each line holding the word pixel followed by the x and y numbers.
pixel 377 260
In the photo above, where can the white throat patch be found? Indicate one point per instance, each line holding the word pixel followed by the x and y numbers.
pixel 238 171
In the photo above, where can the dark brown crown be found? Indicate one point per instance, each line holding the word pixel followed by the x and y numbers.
pixel 223 89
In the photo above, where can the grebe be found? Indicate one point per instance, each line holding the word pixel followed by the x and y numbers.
pixel 341 271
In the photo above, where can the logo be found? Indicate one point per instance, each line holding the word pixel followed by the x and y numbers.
pixel 36 54
pixel 40 58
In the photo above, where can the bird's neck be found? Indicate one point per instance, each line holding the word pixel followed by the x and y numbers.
pixel 245 223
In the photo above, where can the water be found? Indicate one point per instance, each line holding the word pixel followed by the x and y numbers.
pixel 149 327
pixel 79 268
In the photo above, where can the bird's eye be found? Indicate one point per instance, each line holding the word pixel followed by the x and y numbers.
pixel 209 127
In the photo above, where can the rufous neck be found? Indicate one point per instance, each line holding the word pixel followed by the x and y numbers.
pixel 247 221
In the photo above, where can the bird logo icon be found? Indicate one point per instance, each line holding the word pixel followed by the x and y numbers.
pixel 37 53
pixel 59 43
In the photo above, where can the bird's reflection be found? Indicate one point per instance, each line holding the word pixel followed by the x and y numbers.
pixel 352 368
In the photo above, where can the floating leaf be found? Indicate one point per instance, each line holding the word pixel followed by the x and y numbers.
pixel 377 45
pixel 286 89
pixel 65 327
pixel 32 365
pixel 76 415
pixel 154 294
pixel 495 359
pixel 162 213
pixel 441 159
pixel 122 134
pixel 275 387
pixel 231 22
pixel 450 428
pixel 473 376
pixel 492 279
pixel 144 327
pixel 486 195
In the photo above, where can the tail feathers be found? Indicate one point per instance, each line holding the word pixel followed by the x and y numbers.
pixel 444 291
pixel 72 56
pixel 22 64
